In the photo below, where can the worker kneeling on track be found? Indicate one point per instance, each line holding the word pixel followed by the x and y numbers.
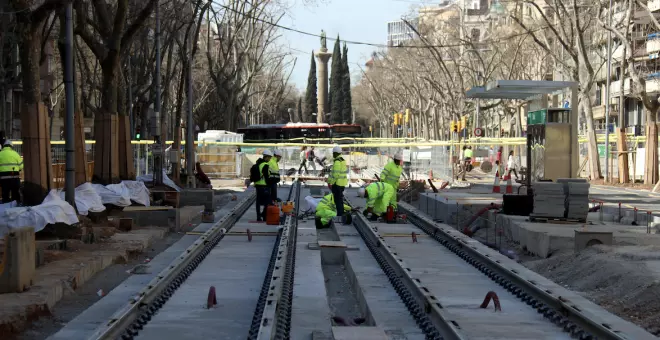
pixel 379 196
pixel 326 211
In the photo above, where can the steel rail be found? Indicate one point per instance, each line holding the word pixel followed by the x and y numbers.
pixel 507 273
pixel 128 320
pixel 275 321
pixel 421 303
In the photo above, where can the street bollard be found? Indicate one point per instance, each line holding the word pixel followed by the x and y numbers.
pixel 635 216
pixel 600 214
pixel 648 222
pixel 620 217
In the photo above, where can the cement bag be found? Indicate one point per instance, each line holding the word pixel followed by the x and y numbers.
pixel 312 203
pixel 52 210
pixel 116 194
pixel 138 192
pixel 87 199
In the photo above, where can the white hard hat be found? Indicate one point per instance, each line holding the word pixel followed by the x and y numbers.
pixel 336 149
pixel 398 155
pixel 362 192
pixel 267 152
pixel 277 152
pixel 7 142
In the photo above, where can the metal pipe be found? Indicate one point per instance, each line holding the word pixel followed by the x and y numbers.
pixel 190 143
pixel 158 143
pixel 607 95
pixel 70 166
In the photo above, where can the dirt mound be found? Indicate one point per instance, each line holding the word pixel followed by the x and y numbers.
pixel 623 280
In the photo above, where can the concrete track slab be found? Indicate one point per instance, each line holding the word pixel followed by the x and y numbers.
pixel 236 268
pixel 85 323
pixel 310 310
pixel 460 288
pixel 388 311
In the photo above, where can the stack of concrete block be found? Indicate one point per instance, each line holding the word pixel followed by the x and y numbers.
pixel 577 197
pixel 549 200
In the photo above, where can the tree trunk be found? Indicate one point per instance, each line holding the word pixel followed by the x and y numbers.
pixel 176 172
pixel 592 144
pixel 106 128
pixel 651 168
pixel 622 148
pixel 34 118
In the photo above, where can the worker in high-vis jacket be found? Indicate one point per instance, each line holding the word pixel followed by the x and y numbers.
pixel 262 187
pixel 379 196
pixel 274 176
pixel 11 164
pixel 338 179
pixel 391 174
pixel 326 211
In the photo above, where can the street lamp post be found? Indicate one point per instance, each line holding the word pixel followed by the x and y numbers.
pixel 607 99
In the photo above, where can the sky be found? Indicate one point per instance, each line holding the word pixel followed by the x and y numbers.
pixel 355 20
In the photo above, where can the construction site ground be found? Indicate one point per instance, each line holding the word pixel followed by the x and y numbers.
pixel 623 278
pixel 73 279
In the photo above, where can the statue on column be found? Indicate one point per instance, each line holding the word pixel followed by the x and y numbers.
pixel 323 40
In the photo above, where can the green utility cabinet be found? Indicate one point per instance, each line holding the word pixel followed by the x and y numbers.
pixel 549 144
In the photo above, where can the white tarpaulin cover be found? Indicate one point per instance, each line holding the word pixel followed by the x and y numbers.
pixel 166 180
pixel 53 210
pixel 87 199
pixel 116 194
pixel 138 192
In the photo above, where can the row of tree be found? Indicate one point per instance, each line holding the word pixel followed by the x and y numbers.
pixel 239 74
pixel 522 39
pixel 339 94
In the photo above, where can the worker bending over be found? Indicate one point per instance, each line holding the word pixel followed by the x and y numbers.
pixel 326 211
pixel 338 179
pixel 391 174
pixel 379 196
pixel 274 170
pixel 262 187
pixel 11 164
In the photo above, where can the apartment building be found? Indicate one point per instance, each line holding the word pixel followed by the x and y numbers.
pixel 399 32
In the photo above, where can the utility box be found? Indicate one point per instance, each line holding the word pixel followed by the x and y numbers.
pixel 549 144
pixel 17 256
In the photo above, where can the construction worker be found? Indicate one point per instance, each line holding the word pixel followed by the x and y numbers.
pixel 326 211
pixel 11 164
pixel 274 169
pixel 392 173
pixel 262 187
pixel 338 179
pixel 379 196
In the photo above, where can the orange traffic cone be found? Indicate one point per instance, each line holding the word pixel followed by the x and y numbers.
pixel 509 186
pixel 496 185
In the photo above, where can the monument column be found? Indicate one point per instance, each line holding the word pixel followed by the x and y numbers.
pixel 322 56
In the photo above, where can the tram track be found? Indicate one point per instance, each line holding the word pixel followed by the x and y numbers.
pixel 436 297
pixel 131 321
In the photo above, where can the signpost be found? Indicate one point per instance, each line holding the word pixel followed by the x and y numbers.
pixel 478 132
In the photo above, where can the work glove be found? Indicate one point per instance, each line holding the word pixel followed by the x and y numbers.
pixel 373 217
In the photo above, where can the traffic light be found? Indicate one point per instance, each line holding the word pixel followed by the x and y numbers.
pixel 407 115
pixel 463 124
pixel 454 126
pixel 137 133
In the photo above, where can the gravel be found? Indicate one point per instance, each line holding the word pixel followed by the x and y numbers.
pixel 625 280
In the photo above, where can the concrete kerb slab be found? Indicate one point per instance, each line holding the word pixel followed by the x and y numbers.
pixel 88 321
